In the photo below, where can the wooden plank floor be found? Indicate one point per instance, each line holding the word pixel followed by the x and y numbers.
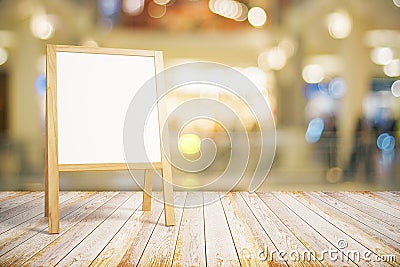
pixel 238 229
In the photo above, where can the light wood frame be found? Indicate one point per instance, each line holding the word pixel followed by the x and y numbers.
pixel 52 167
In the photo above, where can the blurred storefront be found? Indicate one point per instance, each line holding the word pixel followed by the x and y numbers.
pixel 330 71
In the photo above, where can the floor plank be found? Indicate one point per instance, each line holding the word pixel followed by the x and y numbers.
pixel 160 249
pixel 128 244
pixel 248 236
pixel 42 238
pixel 17 215
pixel 368 241
pixel 359 225
pixel 5 195
pixel 22 199
pixel 236 229
pixel 86 251
pixel 282 237
pixel 351 200
pixel 220 250
pixel 55 251
pixel 22 232
pixel 190 245
pixel 388 198
pixel 376 203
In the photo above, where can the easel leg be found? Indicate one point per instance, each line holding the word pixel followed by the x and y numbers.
pixel 148 184
pixel 168 198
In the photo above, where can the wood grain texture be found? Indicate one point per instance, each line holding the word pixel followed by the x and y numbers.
pixel 15 236
pixel 54 252
pixel 128 244
pixel 190 244
pixel 86 251
pixel 329 210
pixel 379 214
pixel 20 200
pixel 169 213
pixel 388 198
pixel 105 50
pixel 367 219
pixel 147 190
pixel 376 203
pixel 159 250
pixel 5 195
pixel 52 209
pixel 110 229
pixel 331 233
pixel 36 237
pixel 247 234
pixel 280 234
pixel 220 249
pixel 109 166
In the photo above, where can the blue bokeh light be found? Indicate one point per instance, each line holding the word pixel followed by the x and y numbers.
pixel 314 130
pixel 40 84
pixel 386 142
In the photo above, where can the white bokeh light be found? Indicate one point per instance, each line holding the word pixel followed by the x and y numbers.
pixel 133 7
pixel 392 69
pixel 42 26
pixel 396 88
pixel 381 55
pixel 339 24
pixel 313 73
pixel 257 17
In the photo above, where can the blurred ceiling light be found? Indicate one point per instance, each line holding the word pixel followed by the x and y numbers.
pixel 228 8
pixel 273 59
pixel 257 17
pixel 162 2
pixel 3 56
pixel 396 3
pixel 89 42
pixel 288 47
pixel 392 69
pixel 339 24
pixel 133 7
pixel 156 11
pixel 41 64
pixel 244 11
pixel 396 88
pixel 189 144
pixel 313 73
pixel 42 26
pixel 381 55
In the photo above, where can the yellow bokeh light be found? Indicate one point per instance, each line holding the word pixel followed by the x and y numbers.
pixel 189 144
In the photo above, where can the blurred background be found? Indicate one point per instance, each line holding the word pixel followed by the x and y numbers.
pixel 329 69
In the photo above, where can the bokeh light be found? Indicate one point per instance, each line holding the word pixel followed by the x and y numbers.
pixel 381 55
pixel 273 59
pixel 162 2
pixel 229 9
pixel 314 130
pixel 385 142
pixel 3 56
pixel 392 69
pixel 257 17
pixel 133 7
pixel 395 88
pixel 396 3
pixel 337 88
pixel 156 11
pixel 313 73
pixel 40 85
pixel 339 24
pixel 189 144
pixel 42 27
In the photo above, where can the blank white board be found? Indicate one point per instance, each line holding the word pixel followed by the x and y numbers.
pixel 94 92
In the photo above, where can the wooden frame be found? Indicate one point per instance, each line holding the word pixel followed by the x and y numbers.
pixel 52 166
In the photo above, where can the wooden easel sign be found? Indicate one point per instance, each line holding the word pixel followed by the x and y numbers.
pixel 89 90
